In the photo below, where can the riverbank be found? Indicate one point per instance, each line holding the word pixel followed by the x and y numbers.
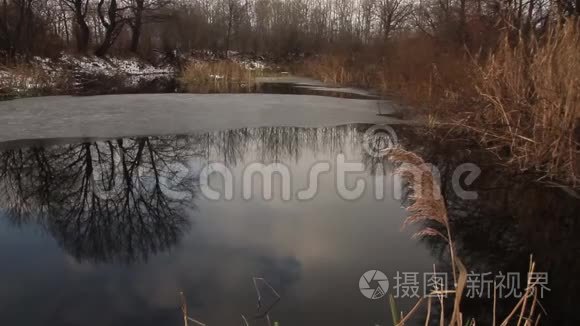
pixel 90 75
pixel 519 100
pixel 70 74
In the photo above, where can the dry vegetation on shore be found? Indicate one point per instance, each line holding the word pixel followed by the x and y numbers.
pixel 521 99
pixel 529 102
pixel 216 77
pixel 222 75
pixel 32 80
pixel 70 74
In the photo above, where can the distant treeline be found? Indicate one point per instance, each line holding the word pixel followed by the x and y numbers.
pixel 279 27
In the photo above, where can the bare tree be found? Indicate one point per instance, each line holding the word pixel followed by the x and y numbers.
pixel 144 11
pixel 279 27
pixel 366 18
pixel 392 14
pixel 82 31
pixel 233 10
pixel 112 21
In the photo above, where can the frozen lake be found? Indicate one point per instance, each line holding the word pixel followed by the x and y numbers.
pixel 111 116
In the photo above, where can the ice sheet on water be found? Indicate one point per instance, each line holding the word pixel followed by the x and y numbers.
pixel 113 116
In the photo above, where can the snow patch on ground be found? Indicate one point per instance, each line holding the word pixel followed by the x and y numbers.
pixel 114 66
pixel 71 74
pixel 68 70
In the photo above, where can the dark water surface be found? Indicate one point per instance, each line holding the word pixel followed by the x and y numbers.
pixel 71 256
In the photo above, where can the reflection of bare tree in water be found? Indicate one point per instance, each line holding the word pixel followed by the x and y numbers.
pixel 123 200
pixel 227 146
pixel 276 144
pixel 102 201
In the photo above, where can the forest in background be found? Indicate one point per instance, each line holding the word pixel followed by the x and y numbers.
pixel 278 27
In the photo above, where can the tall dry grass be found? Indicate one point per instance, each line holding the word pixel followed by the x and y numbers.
pixel 223 76
pixel 521 100
pixel 339 70
pixel 428 204
pixel 418 70
pixel 530 96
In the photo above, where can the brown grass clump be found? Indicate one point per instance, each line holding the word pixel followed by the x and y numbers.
pixel 521 100
pixel 339 70
pixel 417 70
pixel 223 76
pixel 531 98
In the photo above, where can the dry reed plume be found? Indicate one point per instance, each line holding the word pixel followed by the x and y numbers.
pixel 427 200
pixel 429 204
